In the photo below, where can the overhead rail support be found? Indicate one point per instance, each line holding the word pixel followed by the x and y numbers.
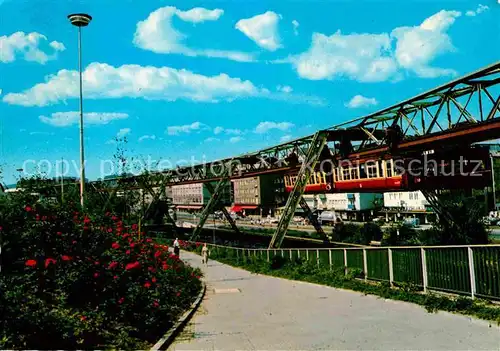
pixel 308 165
pixel 314 221
pixel 227 169
pixel 224 211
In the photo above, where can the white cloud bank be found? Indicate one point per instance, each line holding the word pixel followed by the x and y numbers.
pixel 65 119
pixel 361 101
pixel 187 128
pixel 123 132
pixel 264 127
pixel 33 47
pixel 147 137
pixel 157 33
pixel 103 81
pixel 480 9
pixel 376 57
pixel 262 29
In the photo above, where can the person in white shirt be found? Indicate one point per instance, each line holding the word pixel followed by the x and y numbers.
pixel 176 247
pixel 204 254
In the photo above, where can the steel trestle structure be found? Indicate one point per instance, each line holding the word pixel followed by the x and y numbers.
pixel 461 112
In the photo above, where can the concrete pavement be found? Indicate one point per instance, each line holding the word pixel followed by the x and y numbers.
pixel 244 311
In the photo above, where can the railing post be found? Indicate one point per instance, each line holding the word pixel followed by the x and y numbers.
pixel 237 255
pixel 424 269
pixel 317 257
pixel 282 254
pixel 391 269
pixel 365 264
pixel 345 261
pixel 330 258
pixel 307 255
pixel 291 255
pixel 267 255
pixel 472 273
pixel 298 253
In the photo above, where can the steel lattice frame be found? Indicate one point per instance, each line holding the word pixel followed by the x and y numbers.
pixel 463 111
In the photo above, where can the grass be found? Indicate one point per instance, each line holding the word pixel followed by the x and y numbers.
pixel 338 278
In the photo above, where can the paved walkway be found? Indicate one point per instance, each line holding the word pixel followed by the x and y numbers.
pixel 276 314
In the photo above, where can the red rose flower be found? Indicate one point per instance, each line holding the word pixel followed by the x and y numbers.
pixel 66 258
pixel 83 318
pixel 110 230
pixel 121 300
pixel 153 280
pixel 115 277
pixel 178 294
pixel 113 265
pixel 74 241
pixel 27 209
pixel 149 240
pixel 132 265
pixel 115 246
pixel 134 226
pixel 114 218
pixel 156 304
pixel 30 263
pixel 86 220
pixel 132 244
pixel 59 233
pixel 127 252
pixel 48 261
pixel 147 284
pixel 96 275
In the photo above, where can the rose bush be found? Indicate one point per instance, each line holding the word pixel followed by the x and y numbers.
pixel 81 280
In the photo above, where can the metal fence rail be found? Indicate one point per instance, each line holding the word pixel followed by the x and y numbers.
pixel 467 270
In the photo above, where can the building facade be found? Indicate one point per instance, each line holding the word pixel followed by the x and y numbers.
pixel 407 204
pixel 258 195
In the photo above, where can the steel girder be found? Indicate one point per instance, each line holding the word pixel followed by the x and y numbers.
pixel 465 103
pixel 312 157
pixel 227 170
pixel 231 221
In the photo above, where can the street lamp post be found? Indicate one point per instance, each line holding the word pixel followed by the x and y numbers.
pixel 80 20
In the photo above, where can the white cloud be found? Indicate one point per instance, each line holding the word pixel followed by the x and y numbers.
pixel 219 130
pixel 157 34
pixel 209 140
pixel 187 128
pixel 30 47
pixel 262 29
pixel 41 133
pixel 235 139
pixel 264 127
pixel 65 119
pixel 199 14
pixel 372 57
pixel 480 9
pixel 284 88
pixel 295 24
pixel 146 137
pixel 123 132
pixel 361 101
pixel 285 138
pixel 103 81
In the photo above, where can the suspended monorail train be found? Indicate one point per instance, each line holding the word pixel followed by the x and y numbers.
pixel 468 168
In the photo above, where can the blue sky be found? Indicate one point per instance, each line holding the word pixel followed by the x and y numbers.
pixel 205 80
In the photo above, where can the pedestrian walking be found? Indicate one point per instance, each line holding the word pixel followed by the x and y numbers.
pixel 204 254
pixel 177 249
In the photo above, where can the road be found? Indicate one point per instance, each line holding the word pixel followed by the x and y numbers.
pixel 244 311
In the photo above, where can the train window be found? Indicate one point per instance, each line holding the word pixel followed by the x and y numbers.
pixel 388 168
pixel 371 170
pixel 345 173
pixel 362 172
pixel 319 178
pixel 336 175
pixel 354 173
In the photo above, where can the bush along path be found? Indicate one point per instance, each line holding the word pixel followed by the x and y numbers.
pixel 72 280
pixel 307 271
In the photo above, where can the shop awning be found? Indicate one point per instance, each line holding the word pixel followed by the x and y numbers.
pixel 189 207
pixel 239 208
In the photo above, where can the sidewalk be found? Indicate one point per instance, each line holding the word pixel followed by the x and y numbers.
pixel 276 314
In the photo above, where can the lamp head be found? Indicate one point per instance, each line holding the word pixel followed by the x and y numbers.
pixel 80 19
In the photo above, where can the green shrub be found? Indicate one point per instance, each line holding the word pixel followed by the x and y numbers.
pixel 78 280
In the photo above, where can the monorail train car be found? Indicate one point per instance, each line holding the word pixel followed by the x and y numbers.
pixel 445 169
pixel 373 175
pixel 319 182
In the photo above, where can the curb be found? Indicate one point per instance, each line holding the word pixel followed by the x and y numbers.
pixel 169 337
